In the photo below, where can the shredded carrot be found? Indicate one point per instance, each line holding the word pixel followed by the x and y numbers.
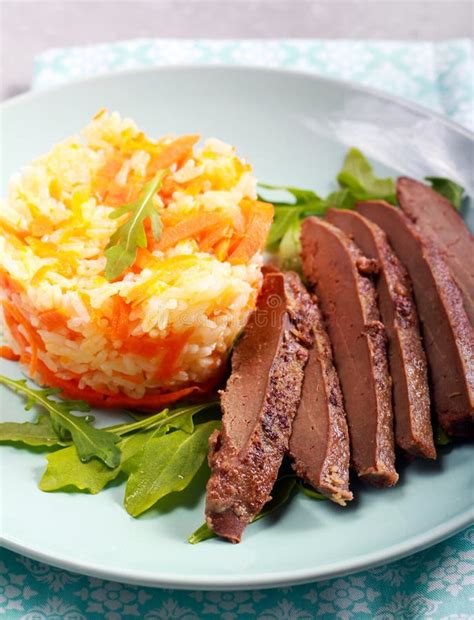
pixel 191 227
pixel 151 400
pixel 35 341
pixel 258 217
pixel 174 153
pixel 119 323
pixel 53 320
pixel 8 283
pixel 13 329
pixel 8 354
pixel 221 249
pixel 173 347
pixel 213 236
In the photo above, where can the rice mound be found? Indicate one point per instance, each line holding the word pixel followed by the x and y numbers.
pixel 164 327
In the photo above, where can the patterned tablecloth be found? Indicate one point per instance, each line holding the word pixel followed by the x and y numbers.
pixel 436 583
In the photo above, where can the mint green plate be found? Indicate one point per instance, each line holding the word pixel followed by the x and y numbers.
pixel 295 129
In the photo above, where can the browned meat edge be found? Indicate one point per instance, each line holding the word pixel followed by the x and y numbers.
pixel 338 270
pixel 319 443
pixel 259 404
pixel 435 216
pixel 447 333
pixel 407 360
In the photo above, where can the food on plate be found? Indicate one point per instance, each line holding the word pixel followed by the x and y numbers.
pixel 447 333
pixel 128 266
pixel 407 360
pixel 435 216
pixel 319 443
pixel 131 271
pixel 341 275
pixel 259 404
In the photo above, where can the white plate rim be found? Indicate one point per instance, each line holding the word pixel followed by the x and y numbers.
pixel 282 578
pixel 369 90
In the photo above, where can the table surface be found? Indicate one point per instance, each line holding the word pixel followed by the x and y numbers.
pixel 29 27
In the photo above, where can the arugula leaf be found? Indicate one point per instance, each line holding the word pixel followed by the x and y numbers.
pixel 357 176
pixel 168 464
pixel 301 196
pixel 441 438
pixel 306 202
pixel 178 418
pixel 39 433
pixel 65 469
pixel 341 199
pixel 309 492
pixel 449 189
pixel 121 251
pixel 290 247
pixel 283 218
pixel 281 493
pixel 89 441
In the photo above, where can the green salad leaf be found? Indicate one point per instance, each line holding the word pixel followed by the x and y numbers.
pixel 358 177
pixel 309 492
pixel 281 493
pixel 290 247
pixel 301 196
pixel 167 464
pixel 357 182
pixel 40 433
pixel 65 469
pixel 89 442
pixel 451 190
pixel 303 202
pixel 441 438
pixel 121 251
pixel 341 199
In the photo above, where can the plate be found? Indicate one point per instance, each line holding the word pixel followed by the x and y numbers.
pixel 295 129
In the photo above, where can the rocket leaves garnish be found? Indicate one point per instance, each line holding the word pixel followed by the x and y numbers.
pixel 357 181
pixel 66 470
pixel 290 247
pixel 304 202
pixel 36 434
pixel 121 252
pixel 309 492
pixel 90 442
pixel 167 464
pixel 358 177
pixel 451 190
pixel 121 449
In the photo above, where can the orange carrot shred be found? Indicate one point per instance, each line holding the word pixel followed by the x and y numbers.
pixel 174 153
pixel 258 217
pixel 8 354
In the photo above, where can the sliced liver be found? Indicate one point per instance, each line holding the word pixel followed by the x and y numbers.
pixel 319 444
pixel 340 274
pixel 447 333
pixel 259 403
pixel 435 216
pixel 407 360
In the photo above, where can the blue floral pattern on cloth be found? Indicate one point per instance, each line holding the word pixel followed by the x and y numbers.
pixel 437 75
pixel 436 583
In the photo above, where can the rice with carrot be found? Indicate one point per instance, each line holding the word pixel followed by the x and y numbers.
pixel 158 326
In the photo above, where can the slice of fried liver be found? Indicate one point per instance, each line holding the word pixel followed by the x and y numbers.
pixel 447 333
pixel 435 216
pixel 319 443
pixel 341 276
pixel 259 404
pixel 407 360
